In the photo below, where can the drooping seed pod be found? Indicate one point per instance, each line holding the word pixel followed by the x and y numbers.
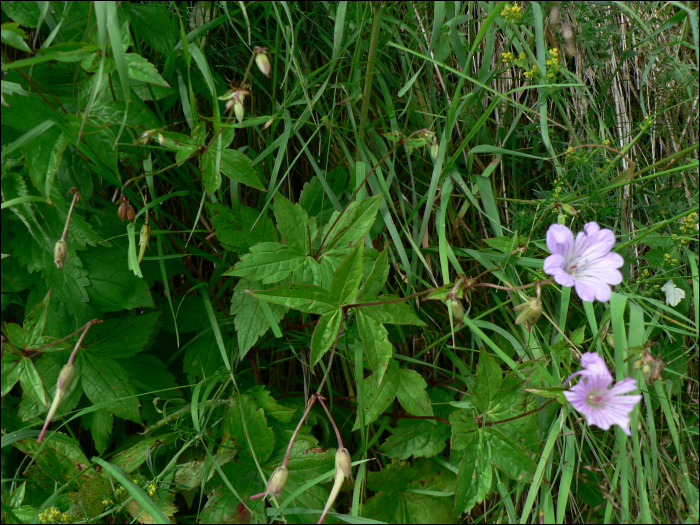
pixel 65 378
pixel 262 61
pixel 60 252
pixel 343 462
pixel 130 213
pixel 238 110
pixel 122 210
pixel 457 310
pixel 657 368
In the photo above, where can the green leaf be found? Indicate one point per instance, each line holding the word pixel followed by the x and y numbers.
pixel 376 342
pixel 237 167
pixel 104 379
pixel 474 476
pixel 121 337
pixel 378 397
pixel 376 279
pixel 113 287
pixel 141 69
pixel 203 357
pixel 418 439
pixel 411 494
pixel 212 176
pixel 25 13
pixel 346 280
pixel 304 297
pixel 100 423
pixel 510 456
pixel 11 370
pixel 262 439
pixel 324 334
pixel 392 313
pixel 464 429
pixel 154 24
pixel 251 322
pixel 488 382
pixel 233 227
pixel 292 223
pixel 354 224
pixel 411 393
pixel 44 155
pixel 32 384
pixel 35 322
pixel 68 285
pixel 13 36
pixel 269 262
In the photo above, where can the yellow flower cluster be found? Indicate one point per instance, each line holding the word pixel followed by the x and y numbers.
pixel 531 73
pixel 607 142
pixel 670 260
pixel 512 13
pixel 151 489
pixel 553 63
pixel 507 57
pixel 53 515
pixel 689 225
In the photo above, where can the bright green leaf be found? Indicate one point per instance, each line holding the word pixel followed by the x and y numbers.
pixel 325 334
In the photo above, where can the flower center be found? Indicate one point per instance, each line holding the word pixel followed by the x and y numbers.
pixel 595 398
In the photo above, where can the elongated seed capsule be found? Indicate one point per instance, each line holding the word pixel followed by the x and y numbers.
pixel 143 241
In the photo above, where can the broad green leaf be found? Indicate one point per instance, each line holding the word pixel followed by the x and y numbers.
pixel 212 176
pixel 376 279
pixel 49 367
pixel 474 476
pixel 233 227
pixel 237 167
pixel 464 430
pixel 141 69
pixel 35 322
pixel 60 458
pixel 378 398
pixel 26 13
pixel 150 374
pixel 154 24
pixel 133 457
pixel 121 337
pixel 113 287
pixel 510 456
pixel 44 155
pixel 262 439
pixel 411 393
pixel 324 334
pixel 15 37
pixel 346 280
pixel 190 474
pixel 32 384
pixel 376 342
pixel 264 400
pixel 269 262
pixel 305 297
pixel 68 285
pixel 104 379
pixel 353 225
pixel 488 382
pixel 418 439
pixel 100 423
pixel 203 357
pixel 392 313
pixel 410 494
pixel 292 224
pixel 251 322
pixel 11 370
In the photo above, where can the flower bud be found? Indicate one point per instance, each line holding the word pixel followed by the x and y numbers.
pixel 60 252
pixel 343 463
pixel 561 219
pixel 457 310
pixel 434 149
pixel 568 209
pixel 130 213
pixel 277 481
pixel 262 61
pixel 238 110
pixel 65 378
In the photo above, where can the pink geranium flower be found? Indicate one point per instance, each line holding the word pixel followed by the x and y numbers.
pixel 593 396
pixel 586 263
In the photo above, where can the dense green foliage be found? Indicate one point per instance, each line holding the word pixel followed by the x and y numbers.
pixel 212 248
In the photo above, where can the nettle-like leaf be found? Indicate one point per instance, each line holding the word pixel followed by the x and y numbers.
pixel 327 303
pixel 234 224
pixel 424 438
pixel 398 501
pixel 406 385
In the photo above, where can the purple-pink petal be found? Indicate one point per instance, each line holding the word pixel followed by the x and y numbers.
pixel 560 240
pixel 593 364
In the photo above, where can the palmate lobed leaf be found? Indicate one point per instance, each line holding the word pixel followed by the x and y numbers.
pixel 269 262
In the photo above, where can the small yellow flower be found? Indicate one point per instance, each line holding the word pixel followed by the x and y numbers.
pixel 607 142
pixel 151 489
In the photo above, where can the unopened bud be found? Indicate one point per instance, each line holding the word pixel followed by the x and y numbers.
pixel 262 61
pixel 568 208
pixel 343 463
pixel 65 378
pixel 60 252
pixel 130 213
pixel 434 149
pixel 238 110
pixel 646 371
pixel 457 310
pixel 610 340
pixel 277 481
pixel 561 219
